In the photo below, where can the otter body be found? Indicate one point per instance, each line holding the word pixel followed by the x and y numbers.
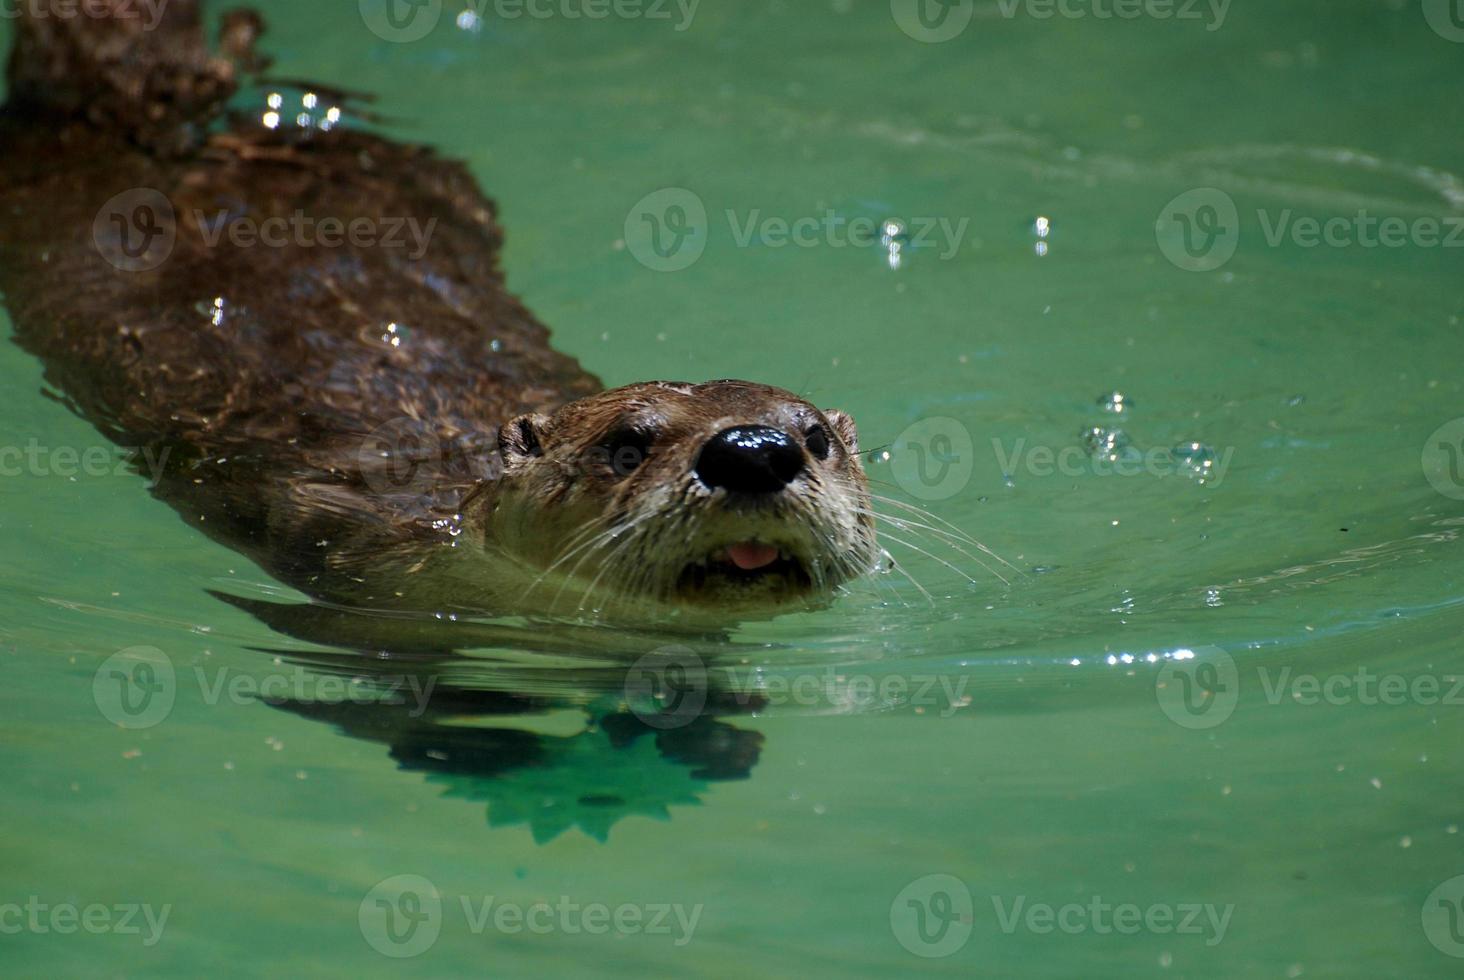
pixel 375 423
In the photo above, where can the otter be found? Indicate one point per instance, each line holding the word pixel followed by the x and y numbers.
pixel 376 427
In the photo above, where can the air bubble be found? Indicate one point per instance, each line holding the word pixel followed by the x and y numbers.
pixel 1196 459
pixel 1104 442
pixel 395 334
pixel 894 238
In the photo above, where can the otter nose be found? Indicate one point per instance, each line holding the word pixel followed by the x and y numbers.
pixel 749 459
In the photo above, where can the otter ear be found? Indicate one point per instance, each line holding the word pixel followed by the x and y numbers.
pixel 844 428
pixel 519 438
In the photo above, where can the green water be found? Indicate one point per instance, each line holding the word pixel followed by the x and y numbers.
pixel 1072 758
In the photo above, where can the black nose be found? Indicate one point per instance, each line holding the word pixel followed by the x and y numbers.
pixel 749 459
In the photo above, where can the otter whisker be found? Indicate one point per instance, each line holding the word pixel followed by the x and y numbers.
pixel 845 562
pixel 816 568
pixel 588 537
pixel 941 538
pixel 612 560
pixel 956 531
pixel 927 515
pixel 599 536
pixel 901 569
pixel 944 535
pixel 890 537
pixel 618 536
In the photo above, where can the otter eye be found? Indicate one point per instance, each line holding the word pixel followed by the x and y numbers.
pixel 626 450
pixel 817 438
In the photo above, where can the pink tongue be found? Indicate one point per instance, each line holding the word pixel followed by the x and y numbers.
pixel 750 556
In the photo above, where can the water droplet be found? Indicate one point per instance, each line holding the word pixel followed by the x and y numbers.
pixel 1105 442
pixel 395 334
pixel 1116 402
pixel 1041 227
pixel 213 309
pixel 1196 459
pixel 893 237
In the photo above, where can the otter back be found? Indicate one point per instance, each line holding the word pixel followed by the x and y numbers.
pixel 320 397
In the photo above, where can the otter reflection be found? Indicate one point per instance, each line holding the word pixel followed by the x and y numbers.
pixel 628 738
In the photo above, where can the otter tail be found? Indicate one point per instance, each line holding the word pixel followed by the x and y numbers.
pixel 139 67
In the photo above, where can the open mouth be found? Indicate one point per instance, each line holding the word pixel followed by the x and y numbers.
pixel 746 563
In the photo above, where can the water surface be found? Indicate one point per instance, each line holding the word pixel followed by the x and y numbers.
pixel 1128 719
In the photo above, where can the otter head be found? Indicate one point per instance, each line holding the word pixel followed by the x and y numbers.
pixel 726 494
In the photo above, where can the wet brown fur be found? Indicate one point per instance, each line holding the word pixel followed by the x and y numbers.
pixel 295 430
